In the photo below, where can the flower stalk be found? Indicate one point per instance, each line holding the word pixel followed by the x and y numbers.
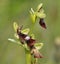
pixel 28 57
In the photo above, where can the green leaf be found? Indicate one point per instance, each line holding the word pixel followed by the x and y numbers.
pixel 32 35
pixel 15 26
pixel 25 31
pixel 38 45
pixel 39 6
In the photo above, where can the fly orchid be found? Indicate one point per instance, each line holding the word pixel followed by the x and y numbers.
pixel 39 13
pixel 26 40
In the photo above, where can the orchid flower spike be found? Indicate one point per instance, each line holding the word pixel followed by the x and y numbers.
pixel 39 13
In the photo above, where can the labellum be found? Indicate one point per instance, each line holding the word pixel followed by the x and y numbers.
pixel 30 42
pixel 21 35
pixel 36 53
pixel 25 38
pixel 42 23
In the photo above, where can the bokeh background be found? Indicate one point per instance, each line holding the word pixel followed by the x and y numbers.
pixel 18 10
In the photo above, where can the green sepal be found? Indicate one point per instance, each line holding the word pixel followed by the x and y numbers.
pixel 32 36
pixel 39 6
pixel 19 43
pixel 25 31
pixel 16 36
pixel 40 14
pixel 15 26
pixel 12 40
pixel 38 45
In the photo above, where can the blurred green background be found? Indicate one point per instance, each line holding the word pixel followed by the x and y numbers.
pixel 18 10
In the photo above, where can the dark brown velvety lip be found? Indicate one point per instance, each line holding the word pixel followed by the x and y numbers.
pixel 42 23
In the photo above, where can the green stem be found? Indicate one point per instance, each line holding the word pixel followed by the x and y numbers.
pixel 28 57
pixel 35 62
